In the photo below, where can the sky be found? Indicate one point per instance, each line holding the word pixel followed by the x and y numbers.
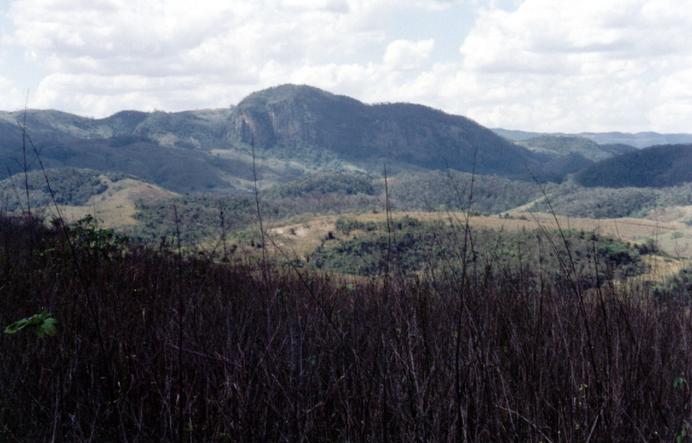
pixel 543 65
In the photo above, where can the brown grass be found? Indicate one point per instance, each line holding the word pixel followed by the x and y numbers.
pixel 634 230
pixel 115 207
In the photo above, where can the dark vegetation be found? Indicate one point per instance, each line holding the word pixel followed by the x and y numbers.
pixel 153 346
pixel 327 183
pixel 677 290
pixel 600 202
pixel 70 187
pixel 199 214
pixel 408 245
pixel 576 201
pixel 432 191
pixel 197 217
pixel 655 167
pixel 564 145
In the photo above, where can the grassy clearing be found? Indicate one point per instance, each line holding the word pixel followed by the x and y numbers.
pixel 115 207
pixel 634 230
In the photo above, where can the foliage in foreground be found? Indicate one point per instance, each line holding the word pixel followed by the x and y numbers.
pixel 154 347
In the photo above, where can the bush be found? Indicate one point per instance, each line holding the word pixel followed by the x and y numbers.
pixel 159 347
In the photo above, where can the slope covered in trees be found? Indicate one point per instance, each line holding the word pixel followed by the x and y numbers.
pixel 656 166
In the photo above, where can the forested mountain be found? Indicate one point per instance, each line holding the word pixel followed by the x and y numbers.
pixel 289 117
pixel 188 129
pixel 294 130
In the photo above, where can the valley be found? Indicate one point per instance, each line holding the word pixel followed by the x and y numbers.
pixel 316 158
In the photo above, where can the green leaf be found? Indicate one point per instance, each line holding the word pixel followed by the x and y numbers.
pixel 17 326
pixel 680 437
pixel 48 327
pixel 44 322
pixel 679 383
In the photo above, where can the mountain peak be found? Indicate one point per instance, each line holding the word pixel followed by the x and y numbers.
pixel 292 92
pixel 304 120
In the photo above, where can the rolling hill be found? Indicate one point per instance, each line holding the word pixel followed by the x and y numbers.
pixel 638 139
pixel 562 145
pixel 657 166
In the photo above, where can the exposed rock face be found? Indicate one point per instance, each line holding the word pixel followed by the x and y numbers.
pixel 299 116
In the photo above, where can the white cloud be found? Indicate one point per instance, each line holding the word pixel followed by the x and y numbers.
pixel 408 55
pixel 89 47
pixel 101 56
pixel 542 64
pixel 587 65
pixel 334 6
pixel 10 96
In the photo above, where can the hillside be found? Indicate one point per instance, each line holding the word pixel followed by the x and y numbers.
pixel 157 147
pixel 188 129
pixel 565 145
pixel 110 198
pixel 295 130
pixel 653 167
pixel 292 118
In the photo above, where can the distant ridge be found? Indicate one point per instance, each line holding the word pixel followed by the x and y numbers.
pixel 650 167
pixel 638 139
pixel 296 129
pixel 562 145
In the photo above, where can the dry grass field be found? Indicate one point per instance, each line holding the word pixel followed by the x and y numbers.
pixel 115 207
pixel 634 230
pixel 674 237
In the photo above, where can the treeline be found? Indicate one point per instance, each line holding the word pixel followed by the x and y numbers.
pixel 452 190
